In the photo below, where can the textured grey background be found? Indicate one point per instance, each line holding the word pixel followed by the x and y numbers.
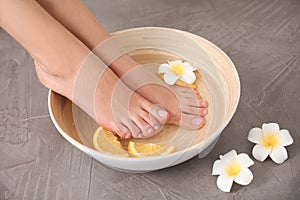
pixel 263 40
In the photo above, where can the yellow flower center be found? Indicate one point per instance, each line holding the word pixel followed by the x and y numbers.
pixel 270 140
pixel 177 69
pixel 233 169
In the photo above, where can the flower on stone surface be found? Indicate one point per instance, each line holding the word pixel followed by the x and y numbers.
pixel 177 70
pixel 232 168
pixel 270 141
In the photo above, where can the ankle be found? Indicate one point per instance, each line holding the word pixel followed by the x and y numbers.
pixel 58 77
pixel 123 64
pixel 60 84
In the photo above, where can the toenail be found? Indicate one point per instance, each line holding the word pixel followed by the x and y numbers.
pixel 140 135
pixel 162 113
pixel 156 127
pixel 203 103
pixel 197 121
pixel 204 111
pixel 150 130
pixel 128 135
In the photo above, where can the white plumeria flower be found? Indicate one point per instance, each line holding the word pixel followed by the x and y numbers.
pixel 270 141
pixel 174 70
pixel 232 168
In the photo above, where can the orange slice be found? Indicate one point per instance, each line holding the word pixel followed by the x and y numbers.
pixel 106 141
pixel 139 150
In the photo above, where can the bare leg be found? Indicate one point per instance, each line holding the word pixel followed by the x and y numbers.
pixel 60 55
pixel 77 18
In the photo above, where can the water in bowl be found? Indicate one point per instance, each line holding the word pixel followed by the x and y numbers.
pixel 209 87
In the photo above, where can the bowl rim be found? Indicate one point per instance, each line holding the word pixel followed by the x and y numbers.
pixel 207 141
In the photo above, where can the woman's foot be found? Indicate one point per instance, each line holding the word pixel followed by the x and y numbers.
pixel 185 105
pixel 117 108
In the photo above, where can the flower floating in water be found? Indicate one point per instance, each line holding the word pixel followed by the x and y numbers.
pixel 270 141
pixel 232 168
pixel 177 70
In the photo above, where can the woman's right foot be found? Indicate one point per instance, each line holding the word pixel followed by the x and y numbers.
pixel 185 106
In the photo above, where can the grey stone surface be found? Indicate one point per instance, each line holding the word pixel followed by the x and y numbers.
pixel 263 40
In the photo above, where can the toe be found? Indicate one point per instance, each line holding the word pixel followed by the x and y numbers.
pixel 123 131
pixel 203 104
pixel 150 119
pixel 133 128
pixel 192 121
pixel 203 112
pixel 197 122
pixel 146 128
pixel 194 110
pixel 195 102
pixel 158 112
pixel 193 98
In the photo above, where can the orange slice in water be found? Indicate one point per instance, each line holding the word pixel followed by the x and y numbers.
pixel 139 150
pixel 106 141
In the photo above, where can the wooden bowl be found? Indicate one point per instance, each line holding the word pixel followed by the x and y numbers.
pixel 218 82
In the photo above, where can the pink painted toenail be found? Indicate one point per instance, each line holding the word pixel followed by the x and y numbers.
pixel 140 135
pixel 150 130
pixel 197 121
pixel 162 113
pixel 204 111
pixel 156 127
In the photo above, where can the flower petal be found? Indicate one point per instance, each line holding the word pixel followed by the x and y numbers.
pixel 170 78
pixel 175 62
pixel 189 67
pixel 270 127
pixel 164 68
pixel 189 77
pixel 260 153
pixel 244 177
pixel 228 157
pixel 224 183
pixel 285 137
pixel 218 167
pixel 279 155
pixel 255 135
pixel 245 160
